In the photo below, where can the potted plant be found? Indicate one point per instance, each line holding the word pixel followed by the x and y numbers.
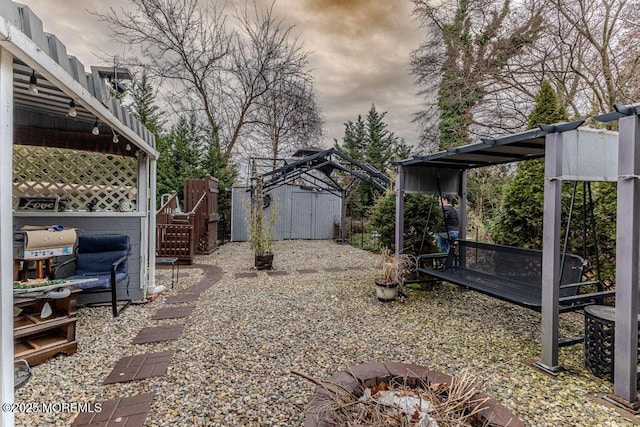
pixel 260 227
pixel 394 269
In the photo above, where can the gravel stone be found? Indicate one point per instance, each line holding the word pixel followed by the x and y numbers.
pixel 232 364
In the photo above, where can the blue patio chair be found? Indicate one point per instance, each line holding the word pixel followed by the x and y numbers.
pixel 103 257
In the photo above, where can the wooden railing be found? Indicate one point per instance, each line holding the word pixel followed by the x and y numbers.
pixel 173 240
pixel 167 211
pixel 197 218
pixel 174 232
pixel 182 235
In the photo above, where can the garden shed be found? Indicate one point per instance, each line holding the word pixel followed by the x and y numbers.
pixel 318 183
pixel 302 213
pixel 64 136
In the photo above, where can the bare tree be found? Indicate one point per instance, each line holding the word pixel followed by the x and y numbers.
pixel 209 67
pixel 266 63
pixel 593 58
pixel 179 42
pixel 586 49
pixel 289 119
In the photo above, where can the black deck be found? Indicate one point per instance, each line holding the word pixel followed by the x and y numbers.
pixel 513 275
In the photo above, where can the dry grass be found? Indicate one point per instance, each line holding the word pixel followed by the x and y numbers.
pixel 456 404
pixel 395 267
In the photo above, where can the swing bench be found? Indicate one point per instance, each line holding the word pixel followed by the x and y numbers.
pixel 513 275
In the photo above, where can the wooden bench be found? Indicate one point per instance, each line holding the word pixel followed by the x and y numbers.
pixel 514 275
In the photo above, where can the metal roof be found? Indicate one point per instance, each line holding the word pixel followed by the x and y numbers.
pixel 42 119
pixel 512 148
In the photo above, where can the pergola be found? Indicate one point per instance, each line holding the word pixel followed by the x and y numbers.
pixel 328 170
pixel 100 132
pixel 572 153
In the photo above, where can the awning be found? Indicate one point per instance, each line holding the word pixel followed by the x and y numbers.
pixel 513 148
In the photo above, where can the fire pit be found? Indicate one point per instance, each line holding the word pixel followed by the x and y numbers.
pixel 358 378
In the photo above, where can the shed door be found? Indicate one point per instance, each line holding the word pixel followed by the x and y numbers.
pixel 302 215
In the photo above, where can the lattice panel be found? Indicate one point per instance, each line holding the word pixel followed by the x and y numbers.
pixel 83 180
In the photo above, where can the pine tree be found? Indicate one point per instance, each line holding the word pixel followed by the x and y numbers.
pixel 143 107
pixel 180 156
pixel 370 141
pixel 381 143
pixel 519 222
pixel 354 139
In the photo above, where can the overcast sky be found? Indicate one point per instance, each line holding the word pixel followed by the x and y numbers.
pixel 360 51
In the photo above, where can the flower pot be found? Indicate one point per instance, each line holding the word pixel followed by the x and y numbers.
pixel 264 262
pixel 386 292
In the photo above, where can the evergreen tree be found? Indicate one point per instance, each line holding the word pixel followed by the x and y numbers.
pixel 370 141
pixel 519 221
pixel 354 139
pixel 180 156
pixel 143 107
pixel 381 143
pixel 417 209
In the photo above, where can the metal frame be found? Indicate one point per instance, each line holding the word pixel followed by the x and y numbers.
pixel 317 168
pixel 547 141
pixel 625 372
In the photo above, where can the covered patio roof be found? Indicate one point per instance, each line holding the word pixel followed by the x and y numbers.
pixel 512 148
pixel 42 118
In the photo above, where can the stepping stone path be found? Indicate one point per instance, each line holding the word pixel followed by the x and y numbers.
pixel 245 275
pixel 172 312
pixel 126 411
pixel 140 366
pixel 182 298
pixel 158 333
pixel 132 411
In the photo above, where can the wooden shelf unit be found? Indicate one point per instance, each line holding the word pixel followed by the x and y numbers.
pixel 36 339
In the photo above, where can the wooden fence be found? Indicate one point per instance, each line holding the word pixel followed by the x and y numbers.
pixel 194 231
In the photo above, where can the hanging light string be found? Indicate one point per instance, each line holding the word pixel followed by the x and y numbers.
pixel 72 109
pixel 96 129
pixel 33 83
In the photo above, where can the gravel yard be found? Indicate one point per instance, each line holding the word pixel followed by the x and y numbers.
pixel 231 364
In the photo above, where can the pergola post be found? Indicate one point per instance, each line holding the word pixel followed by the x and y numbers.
pixel 551 253
pixel 343 215
pixel 627 259
pixel 6 234
pixel 399 238
pixel 462 210
pixel 153 180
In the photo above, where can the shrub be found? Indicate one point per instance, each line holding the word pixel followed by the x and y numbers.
pixel 416 211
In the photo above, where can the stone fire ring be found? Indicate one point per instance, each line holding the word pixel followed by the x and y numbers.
pixel 358 377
